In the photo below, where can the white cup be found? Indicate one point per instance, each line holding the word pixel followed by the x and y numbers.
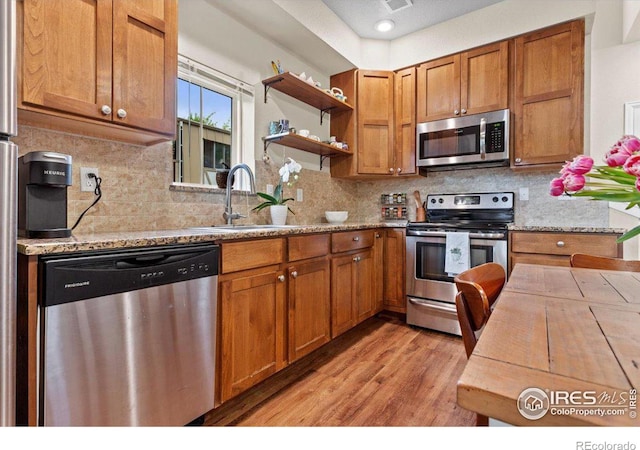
pixel 332 138
pixel 303 133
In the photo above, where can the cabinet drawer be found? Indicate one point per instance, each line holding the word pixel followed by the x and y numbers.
pixel 304 247
pixel 565 243
pixel 351 240
pixel 251 254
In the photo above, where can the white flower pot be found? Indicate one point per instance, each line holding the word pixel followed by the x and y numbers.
pixel 278 214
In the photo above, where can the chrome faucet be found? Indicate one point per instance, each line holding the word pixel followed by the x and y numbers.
pixel 229 215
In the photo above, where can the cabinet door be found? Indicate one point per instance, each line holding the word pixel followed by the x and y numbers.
pixel 145 64
pixel 405 121
pixel 309 307
pixel 342 293
pixel 252 318
pixel 66 56
pixel 484 78
pixel 378 267
pixel 438 89
pixel 375 122
pixel 549 99
pixel 394 270
pixel 365 285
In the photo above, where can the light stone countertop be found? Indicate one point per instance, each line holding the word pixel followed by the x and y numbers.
pixel 118 240
pixel 566 229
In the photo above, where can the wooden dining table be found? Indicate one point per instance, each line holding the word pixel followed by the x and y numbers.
pixel 562 347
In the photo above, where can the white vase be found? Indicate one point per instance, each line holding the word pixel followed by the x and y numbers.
pixel 278 214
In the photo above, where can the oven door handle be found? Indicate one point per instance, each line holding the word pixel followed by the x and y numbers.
pixel 431 305
pixel 443 234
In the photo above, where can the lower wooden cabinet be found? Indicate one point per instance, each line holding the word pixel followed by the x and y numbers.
pixel 309 300
pixel 394 270
pixel 253 318
pixel 555 248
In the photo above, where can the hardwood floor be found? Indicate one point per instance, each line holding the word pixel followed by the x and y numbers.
pixel 381 373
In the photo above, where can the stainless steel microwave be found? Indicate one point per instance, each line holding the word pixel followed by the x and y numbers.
pixel 464 142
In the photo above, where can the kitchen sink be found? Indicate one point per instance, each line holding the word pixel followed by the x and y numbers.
pixel 231 228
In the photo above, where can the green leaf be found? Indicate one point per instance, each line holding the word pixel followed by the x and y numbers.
pixel 629 234
pixel 611 196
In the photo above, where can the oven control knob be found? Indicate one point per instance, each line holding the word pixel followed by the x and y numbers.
pixel 505 199
pixel 495 199
pixel 433 200
pixel 440 201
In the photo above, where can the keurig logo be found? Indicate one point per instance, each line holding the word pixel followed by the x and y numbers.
pixel 55 172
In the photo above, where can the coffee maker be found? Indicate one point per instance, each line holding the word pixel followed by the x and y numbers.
pixel 43 178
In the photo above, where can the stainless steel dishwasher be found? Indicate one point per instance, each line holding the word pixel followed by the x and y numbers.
pixel 128 338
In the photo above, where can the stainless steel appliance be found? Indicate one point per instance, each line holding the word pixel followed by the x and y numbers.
pixel 463 142
pixel 8 211
pixel 430 288
pixel 128 338
pixel 43 178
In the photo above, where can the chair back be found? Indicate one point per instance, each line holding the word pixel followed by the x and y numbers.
pixel 478 289
pixel 602 262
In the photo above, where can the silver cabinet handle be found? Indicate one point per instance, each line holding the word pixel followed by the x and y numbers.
pixel 294 274
pixel 281 278
pixel 356 239
pixel 122 113
pixel 106 110
pixel 356 259
pixel 518 160
pixel 378 236
pixel 560 243
pixel 390 169
pixel 464 111
pixel 399 169
pixel 456 112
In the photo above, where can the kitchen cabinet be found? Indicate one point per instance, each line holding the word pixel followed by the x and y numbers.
pixel 353 286
pixel 253 314
pixel 308 294
pixel 555 248
pixel 404 110
pixel 549 96
pixel 378 267
pixel 369 129
pixel 101 68
pixel 394 270
pixel 470 82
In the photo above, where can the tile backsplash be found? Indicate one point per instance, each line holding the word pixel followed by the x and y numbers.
pixel 137 196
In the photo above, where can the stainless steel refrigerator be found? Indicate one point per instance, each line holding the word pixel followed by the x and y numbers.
pixel 8 211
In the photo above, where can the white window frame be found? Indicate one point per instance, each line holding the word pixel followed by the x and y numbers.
pixel 243 112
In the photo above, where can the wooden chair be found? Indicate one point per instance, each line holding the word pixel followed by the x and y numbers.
pixel 478 289
pixel 603 262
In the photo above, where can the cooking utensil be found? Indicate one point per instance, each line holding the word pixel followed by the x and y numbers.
pixel 416 194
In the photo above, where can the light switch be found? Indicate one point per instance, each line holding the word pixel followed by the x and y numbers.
pixel 269 189
pixel 299 196
pixel 524 194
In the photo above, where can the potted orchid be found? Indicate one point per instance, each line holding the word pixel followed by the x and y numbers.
pixel 277 202
pixel 620 177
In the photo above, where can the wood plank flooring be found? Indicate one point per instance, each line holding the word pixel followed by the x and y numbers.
pixel 381 373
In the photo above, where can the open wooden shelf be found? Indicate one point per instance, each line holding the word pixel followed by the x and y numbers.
pixel 306 144
pixel 293 86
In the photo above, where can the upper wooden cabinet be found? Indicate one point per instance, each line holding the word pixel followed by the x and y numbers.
pixel 369 129
pixel 471 82
pixel 404 97
pixel 102 68
pixel 549 95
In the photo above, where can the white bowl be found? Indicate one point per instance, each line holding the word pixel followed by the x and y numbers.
pixel 336 216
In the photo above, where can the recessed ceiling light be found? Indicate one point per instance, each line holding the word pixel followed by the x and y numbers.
pixel 384 25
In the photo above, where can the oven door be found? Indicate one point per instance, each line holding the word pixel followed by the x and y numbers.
pixel 426 277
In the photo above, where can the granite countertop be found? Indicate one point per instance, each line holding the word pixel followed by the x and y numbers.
pixel 566 229
pixel 117 240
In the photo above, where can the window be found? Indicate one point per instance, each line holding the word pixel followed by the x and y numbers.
pixel 214 124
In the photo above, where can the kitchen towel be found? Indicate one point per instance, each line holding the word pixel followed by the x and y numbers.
pixel 458 257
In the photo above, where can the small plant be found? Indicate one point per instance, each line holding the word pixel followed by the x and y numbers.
pixel 289 170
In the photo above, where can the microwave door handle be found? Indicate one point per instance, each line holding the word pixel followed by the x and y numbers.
pixel 483 137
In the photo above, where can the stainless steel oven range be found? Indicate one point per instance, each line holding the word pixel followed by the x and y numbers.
pixel 481 220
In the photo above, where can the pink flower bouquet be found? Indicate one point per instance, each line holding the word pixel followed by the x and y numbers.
pixel 621 177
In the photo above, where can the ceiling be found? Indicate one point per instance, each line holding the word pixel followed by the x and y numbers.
pixel 361 15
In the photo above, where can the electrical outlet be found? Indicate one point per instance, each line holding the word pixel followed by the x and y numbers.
pixel 87 184
pixel 269 189
pixel 299 195
pixel 524 194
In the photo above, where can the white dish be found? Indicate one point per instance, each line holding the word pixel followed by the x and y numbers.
pixel 336 216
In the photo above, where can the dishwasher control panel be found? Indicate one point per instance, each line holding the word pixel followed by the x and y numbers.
pixel 77 277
